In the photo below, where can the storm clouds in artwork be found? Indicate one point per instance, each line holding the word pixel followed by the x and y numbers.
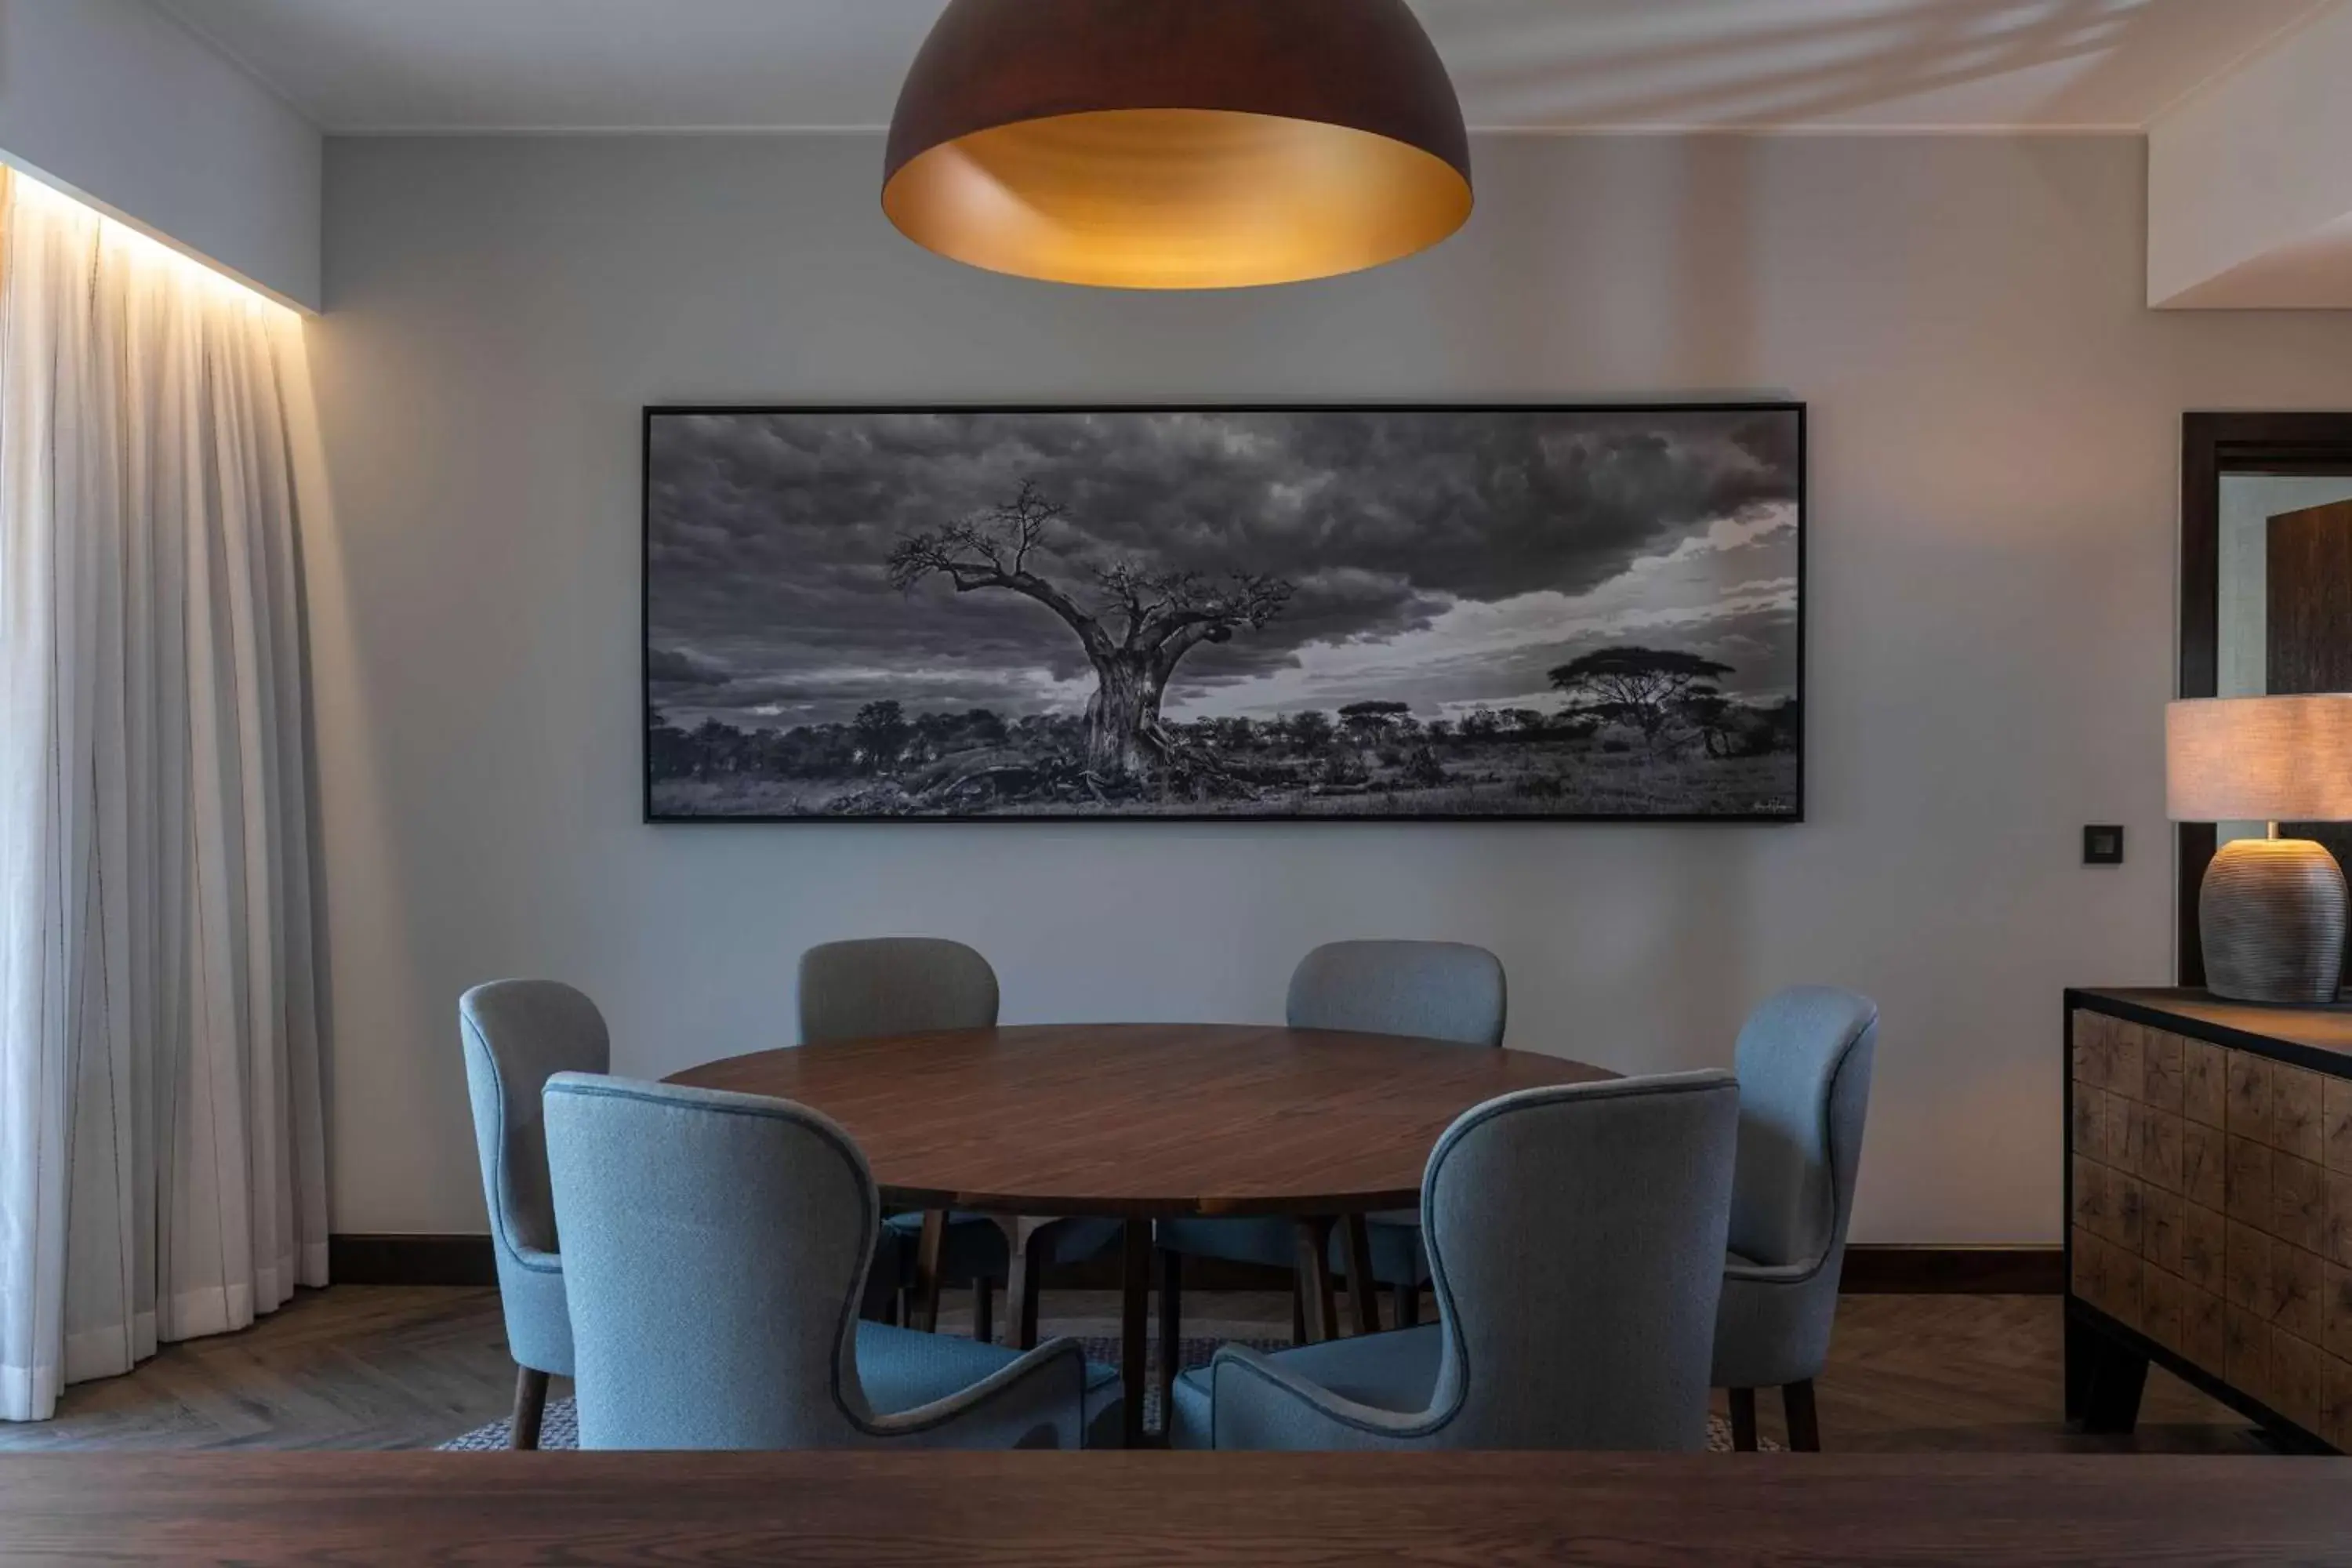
pixel 1442 559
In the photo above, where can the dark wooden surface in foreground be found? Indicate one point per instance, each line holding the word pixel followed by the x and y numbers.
pixel 1265 1510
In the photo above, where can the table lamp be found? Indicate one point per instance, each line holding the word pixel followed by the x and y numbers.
pixel 2271 910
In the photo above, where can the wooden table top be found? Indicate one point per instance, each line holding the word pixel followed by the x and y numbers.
pixel 1144 1119
pixel 1265 1510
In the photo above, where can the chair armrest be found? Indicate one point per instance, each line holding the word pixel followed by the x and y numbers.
pixel 1013 1407
pixel 529 1257
pixel 1774 1273
pixel 1265 1404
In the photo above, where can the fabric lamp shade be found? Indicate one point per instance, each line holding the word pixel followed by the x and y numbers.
pixel 2259 759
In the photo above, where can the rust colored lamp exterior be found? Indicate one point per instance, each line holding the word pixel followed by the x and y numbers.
pixel 1177 143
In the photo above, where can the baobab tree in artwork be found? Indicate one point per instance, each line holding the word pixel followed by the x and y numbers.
pixel 1145 624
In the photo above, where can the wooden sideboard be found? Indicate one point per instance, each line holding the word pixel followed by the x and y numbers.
pixel 2209 1200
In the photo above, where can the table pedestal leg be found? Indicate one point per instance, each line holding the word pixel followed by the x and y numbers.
pixel 1135 1288
pixel 1314 1279
pixel 1171 1336
pixel 1363 1295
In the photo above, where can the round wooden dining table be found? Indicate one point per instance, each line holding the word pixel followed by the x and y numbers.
pixel 1143 1121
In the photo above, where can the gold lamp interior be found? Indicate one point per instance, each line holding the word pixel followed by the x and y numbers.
pixel 1176 198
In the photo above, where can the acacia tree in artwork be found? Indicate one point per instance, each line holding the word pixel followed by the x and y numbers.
pixel 1147 622
pixel 1644 687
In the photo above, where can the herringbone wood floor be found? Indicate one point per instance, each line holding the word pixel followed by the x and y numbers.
pixel 366 1366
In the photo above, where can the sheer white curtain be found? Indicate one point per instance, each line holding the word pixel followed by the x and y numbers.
pixel 161 1147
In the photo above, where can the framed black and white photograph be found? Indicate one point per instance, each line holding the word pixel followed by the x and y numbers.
pixel 1378 612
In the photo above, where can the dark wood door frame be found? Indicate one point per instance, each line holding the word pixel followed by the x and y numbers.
pixel 2212 445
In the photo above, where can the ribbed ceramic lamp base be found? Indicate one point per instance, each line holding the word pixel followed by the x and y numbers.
pixel 2271 914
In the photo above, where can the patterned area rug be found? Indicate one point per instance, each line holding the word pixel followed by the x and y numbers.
pixel 560 1428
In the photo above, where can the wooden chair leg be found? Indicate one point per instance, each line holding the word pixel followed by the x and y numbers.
pixel 983 1309
pixel 1804 1419
pixel 1172 1330
pixel 1743 1420
pixel 881 1302
pixel 925 1292
pixel 1363 1291
pixel 529 1405
pixel 1025 1248
pixel 1298 1308
pixel 1314 1270
pixel 1407 1305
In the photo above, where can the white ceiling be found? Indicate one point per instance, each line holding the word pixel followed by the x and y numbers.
pixel 361 66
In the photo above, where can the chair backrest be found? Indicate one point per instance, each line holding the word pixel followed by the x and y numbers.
pixel 1439 990
pixel 715 1249
pixel 517 1033
pixel 893 986
pixel 1804 1061
pixel 1576 1241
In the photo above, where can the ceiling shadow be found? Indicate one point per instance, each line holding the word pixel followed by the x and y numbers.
pixel 1704 62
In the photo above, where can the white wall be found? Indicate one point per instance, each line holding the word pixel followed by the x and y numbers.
pixel 2250 197
pixel 123 106
pixel 1995 442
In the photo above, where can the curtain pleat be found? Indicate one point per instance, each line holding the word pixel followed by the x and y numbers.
pixel 163 1168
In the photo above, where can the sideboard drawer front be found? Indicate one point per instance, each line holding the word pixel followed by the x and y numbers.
pixel 2204 1334
pixel 2249 1181
pixel 2335 1313
pixel 2204 1247
pixel 2297 1292
pixel 2335 1113
pixel 2204 1085
pixel 2249 1116
pixel 2162 1054
pixel 2204 1165
pixel 2119 1130
pixel 2161 1298
pixel 2298 1203
pixel 2298 1126
pixel 2160 1228
pixel 2107 1054
pixel 2160 1148
pixel 2211 1210
pixel 2094 1057
pixel 2299 1374
pixel 2107 1277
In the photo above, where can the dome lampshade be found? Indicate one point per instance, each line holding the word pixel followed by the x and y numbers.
pixel 1177 143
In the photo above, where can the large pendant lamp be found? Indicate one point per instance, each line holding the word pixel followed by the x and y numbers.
pixel 1177 143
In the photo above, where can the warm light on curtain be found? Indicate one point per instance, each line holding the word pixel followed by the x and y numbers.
pixel 161 1141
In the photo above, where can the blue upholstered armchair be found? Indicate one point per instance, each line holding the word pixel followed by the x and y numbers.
pixel 1575 1238
pixel 517 1033
pixel 716 1247
pixel 1437 989
pixel 1804 1063
pixel 893 986
pixel 910 985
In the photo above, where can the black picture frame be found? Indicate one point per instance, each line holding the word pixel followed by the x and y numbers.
pixel 1794 817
